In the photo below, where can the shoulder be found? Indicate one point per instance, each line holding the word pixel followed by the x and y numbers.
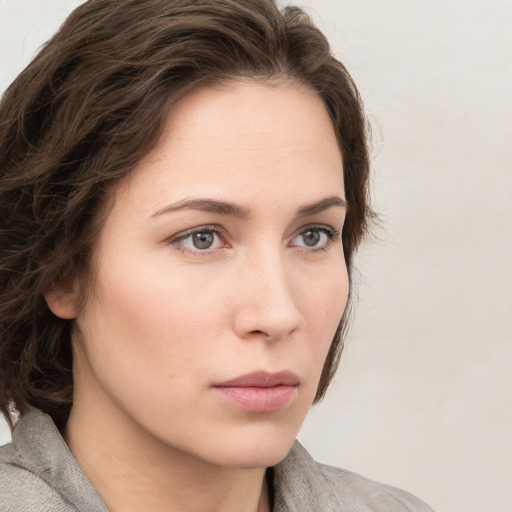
pixel 38 473
pixel 374 495
pixel 21 489
pixel 301 484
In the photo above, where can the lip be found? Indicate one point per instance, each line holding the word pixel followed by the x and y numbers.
pixel 262 379
pixel 259 392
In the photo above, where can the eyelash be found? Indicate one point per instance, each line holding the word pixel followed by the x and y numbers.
pixel 331 234
pixel 189 233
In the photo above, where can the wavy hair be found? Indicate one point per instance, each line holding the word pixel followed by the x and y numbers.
pixel 89 106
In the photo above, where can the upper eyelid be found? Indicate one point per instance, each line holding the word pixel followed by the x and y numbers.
pixel 319 227
pixel 332 233
pixel 187 232
pixel 315 226
pixel 220 230
pixel 177 240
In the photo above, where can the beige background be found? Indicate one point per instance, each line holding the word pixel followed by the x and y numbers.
pixel 423 399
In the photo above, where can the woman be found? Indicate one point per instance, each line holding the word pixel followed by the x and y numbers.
pixel 183 187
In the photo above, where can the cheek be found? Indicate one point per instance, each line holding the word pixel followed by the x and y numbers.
pixel 157 315
pixel 327 297
pixel 143 338
pixel 325 307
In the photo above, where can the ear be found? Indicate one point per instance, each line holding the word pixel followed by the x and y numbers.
pixel 63 301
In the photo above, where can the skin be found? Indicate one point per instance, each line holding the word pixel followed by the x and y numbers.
pixel 166 320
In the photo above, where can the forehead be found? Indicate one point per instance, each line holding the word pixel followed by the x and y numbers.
pixel 238 138
pixel 249 113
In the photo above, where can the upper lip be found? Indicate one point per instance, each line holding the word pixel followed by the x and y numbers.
pixel 262 379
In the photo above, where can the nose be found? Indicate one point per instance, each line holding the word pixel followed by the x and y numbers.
pixel 268 302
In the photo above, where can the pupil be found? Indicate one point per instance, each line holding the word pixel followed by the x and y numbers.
pixel 311 238
pixel 203 240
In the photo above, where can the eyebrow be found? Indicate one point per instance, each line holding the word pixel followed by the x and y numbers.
pixel 322 205
pixel 206 205
pixel 241 212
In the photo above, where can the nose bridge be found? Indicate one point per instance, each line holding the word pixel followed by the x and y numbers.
pixel 268 302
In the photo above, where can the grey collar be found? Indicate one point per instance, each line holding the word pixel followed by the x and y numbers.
pixel 40 448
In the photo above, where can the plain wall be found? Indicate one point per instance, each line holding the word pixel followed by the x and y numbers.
pixel 423 397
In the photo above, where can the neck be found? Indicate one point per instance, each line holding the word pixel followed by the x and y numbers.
pixel 132 471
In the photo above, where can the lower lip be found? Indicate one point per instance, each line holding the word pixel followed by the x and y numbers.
pixel 254 399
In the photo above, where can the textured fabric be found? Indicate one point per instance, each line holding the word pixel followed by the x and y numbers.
pixel 303 485
pixel 38 473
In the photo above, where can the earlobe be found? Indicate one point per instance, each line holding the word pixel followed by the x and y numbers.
pixel 62 302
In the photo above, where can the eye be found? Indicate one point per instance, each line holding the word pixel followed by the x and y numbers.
pixel 315 237
pixel 202 239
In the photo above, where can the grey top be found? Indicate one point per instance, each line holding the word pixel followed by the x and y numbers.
pixel 38 473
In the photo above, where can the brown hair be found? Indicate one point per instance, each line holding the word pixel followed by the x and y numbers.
pixel 90 105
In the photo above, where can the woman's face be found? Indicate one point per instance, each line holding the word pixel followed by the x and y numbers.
pixel 220 266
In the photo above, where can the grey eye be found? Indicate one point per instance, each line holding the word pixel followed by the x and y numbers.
pixel 203 239
pixel 314 237
pixel 311 238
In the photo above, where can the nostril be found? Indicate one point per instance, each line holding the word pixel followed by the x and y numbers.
pixel 259 333
pixel 271 335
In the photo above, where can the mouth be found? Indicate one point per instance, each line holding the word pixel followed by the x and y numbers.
pixel 259 392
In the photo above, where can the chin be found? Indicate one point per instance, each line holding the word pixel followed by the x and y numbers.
pixel 260 450
pixel 262 457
